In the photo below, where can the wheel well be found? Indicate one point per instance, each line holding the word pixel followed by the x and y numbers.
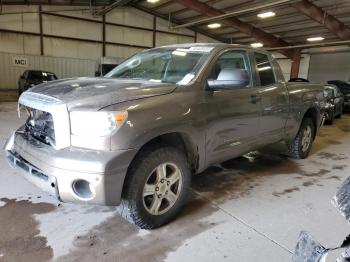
pixel 313 115
pixel 180 141
pixel 177 140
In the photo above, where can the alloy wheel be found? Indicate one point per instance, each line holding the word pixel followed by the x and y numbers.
pixel 162 189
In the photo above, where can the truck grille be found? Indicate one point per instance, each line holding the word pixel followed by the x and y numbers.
pixel 40 126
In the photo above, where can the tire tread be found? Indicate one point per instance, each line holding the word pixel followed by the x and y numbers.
pixel 295 146
pixel 128 208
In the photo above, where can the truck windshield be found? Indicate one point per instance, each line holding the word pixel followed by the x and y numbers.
pixel 163 65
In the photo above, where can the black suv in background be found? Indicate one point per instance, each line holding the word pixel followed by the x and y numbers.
pixel 344 88
pixel 31 78
pixel 335 103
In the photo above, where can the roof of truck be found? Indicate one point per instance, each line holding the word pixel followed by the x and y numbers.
pixel 212 45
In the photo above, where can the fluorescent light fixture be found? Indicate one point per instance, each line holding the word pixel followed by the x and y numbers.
pixel 264 68
pixel 152 1
pixel 256 45
pixel 266 14
pixel 214 26
pixel 316 38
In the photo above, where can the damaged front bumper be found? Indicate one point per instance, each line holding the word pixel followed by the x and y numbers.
pixel 70 174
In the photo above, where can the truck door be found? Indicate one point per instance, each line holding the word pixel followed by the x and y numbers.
pixel 274 99
pixel 232 106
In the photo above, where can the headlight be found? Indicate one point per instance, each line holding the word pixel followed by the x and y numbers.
pixel 99 123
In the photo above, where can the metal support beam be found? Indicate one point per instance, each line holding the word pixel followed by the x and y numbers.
pixel 165 17
pixel 116 3
pixel 154 33
pixel 303 46
pixel 103 35
pixel 183 10
pixel 330 22
pixel 294 71
pixel 113 24
pixel 260 35
pixel 220 15
pixel 41 31
pixel 72 38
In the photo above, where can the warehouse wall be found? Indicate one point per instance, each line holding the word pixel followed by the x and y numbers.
pixel 286 65
pixel 330 66
pixel 127 31
pixel 63 67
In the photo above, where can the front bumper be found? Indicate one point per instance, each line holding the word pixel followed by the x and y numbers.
pixel 56 171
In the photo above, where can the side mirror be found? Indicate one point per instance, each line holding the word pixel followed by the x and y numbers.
pixel 21 77
pixel 97 73
pixel 230 78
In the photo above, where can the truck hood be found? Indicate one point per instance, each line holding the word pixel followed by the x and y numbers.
pixel 95 93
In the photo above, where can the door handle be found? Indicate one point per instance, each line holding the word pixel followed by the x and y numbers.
pixel 255 99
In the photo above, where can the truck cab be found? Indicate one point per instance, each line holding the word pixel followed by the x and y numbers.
pixel 134 137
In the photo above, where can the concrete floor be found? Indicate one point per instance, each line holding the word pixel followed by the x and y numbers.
pixel 247 209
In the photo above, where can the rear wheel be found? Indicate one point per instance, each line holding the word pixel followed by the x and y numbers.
pixel 156 187
pixel 300 147
pixel 330 120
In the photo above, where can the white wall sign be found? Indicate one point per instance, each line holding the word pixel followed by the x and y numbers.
pixel 19 61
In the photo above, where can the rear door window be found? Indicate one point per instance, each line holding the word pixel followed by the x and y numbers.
pixel 265 69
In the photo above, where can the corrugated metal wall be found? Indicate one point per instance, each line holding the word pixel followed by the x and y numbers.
pixel 325 67
pixel 286 65
pixel 128 31
pixel 62 67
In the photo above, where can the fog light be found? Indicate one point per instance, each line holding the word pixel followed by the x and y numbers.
pixel 84 189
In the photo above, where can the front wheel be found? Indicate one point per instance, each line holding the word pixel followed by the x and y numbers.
pixel 300 147
pixel 340 112
pixel 156 187
pixel 330 119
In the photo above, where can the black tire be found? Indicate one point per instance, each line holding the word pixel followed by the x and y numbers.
pixel 330 120
pixel 340 112
pixel 133 207
pixel 296 146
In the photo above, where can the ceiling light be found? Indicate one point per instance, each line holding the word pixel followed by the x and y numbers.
pixel 214 26
pixel 316 38
pixel 264 68
pixel 256 45
pixel 152 1
pixel 266 14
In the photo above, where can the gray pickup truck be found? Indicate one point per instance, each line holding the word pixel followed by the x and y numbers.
pixel 134 137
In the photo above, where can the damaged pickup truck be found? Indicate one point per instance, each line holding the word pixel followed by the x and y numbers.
pixel 134 137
